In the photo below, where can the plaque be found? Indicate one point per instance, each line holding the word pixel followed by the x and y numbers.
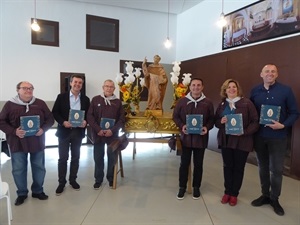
pixel 234 124
pixel 76 117
pixel 194 123
pixel 31 124
pixel 107 123
pixel 269 113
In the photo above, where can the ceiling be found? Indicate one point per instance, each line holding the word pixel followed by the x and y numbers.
pixel 176 6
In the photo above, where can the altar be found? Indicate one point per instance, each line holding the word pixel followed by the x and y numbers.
pixel 141 123
pixel 162 124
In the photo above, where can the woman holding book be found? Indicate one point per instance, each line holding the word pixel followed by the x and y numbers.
pixel 235 136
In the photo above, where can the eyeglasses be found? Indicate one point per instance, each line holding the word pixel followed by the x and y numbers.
pixel 27 88
pixel 106 86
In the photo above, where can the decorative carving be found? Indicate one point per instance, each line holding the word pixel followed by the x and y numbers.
pixel 151 123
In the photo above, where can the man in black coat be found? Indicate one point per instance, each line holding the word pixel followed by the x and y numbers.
pixel 70 135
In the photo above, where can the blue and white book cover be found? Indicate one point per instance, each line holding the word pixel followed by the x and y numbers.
pixel 194 123
pixel 76 117
pixel 269 113
pixel 234 124
pixel 31 124
pixel 107 123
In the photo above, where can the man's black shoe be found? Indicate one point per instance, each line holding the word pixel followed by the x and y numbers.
pixel 277 207
pixel 111 184
pixel 60 189
pixel 262 200
pixel 97 185
pixel 75 185
pixel 20 200
pixel 180 194
pixel 40 196
pixel 196 193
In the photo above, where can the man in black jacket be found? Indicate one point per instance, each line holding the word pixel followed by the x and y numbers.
pixel 68 135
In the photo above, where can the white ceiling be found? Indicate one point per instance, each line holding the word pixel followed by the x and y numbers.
pixel 176 6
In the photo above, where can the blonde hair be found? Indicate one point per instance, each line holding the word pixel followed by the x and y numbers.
pixel 225 86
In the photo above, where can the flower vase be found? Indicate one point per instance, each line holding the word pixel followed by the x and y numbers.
pixel 136 108
pixel 127 109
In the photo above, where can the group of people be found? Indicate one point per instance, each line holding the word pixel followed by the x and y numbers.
pixel 105 105
pixel 269 141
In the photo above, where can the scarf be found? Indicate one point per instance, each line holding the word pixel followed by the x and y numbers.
pixel 188 96
pixel 18 101
pixel 232 102
pixel 108 99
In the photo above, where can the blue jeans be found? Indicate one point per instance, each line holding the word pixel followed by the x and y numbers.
pixel 99 163
pixel 19 161
pixel 270 155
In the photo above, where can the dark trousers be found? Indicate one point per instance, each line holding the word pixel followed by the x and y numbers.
pixel 270 155
pixel 186 155
pixel 99 163
pixel 234 162
pixel 71 142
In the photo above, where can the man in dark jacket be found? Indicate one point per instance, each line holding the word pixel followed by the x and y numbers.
pixel 195 102
pixel 22 107
pixel 270 142
pixel 106 117
pixel 68 135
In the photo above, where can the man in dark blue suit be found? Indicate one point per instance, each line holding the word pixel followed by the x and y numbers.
pixel 68 135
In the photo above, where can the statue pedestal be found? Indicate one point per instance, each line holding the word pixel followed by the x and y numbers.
pixel 154 112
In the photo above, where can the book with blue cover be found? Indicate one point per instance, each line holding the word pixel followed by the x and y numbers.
pixel 31 124
pixel 76 117
pixel 107 123
pixel 194 123
pixel 234 124
pixel 269 113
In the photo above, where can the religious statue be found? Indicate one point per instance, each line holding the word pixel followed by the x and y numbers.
pixel 156 81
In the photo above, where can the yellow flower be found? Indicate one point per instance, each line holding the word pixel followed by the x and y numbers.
pixel 180 91
pixel 135 90
pixel 126 96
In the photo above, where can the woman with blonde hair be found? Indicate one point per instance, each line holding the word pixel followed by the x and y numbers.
pixel 234 147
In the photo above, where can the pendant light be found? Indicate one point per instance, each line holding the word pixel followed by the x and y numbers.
pixel 35 26
pixel 168 43
pixel 222 21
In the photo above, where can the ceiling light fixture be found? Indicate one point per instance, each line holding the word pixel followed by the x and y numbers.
pixel 168 43
pixel 222 21
pixel 35 26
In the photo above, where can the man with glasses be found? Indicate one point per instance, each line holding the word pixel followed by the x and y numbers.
pixel 106 117
pixel 70 136
pixel 21 144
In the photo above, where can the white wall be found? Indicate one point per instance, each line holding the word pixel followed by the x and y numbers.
pixel 142 34
pixel 197 31
pixel 194 34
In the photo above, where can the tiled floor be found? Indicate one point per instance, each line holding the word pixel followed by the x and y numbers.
pixel 147 195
